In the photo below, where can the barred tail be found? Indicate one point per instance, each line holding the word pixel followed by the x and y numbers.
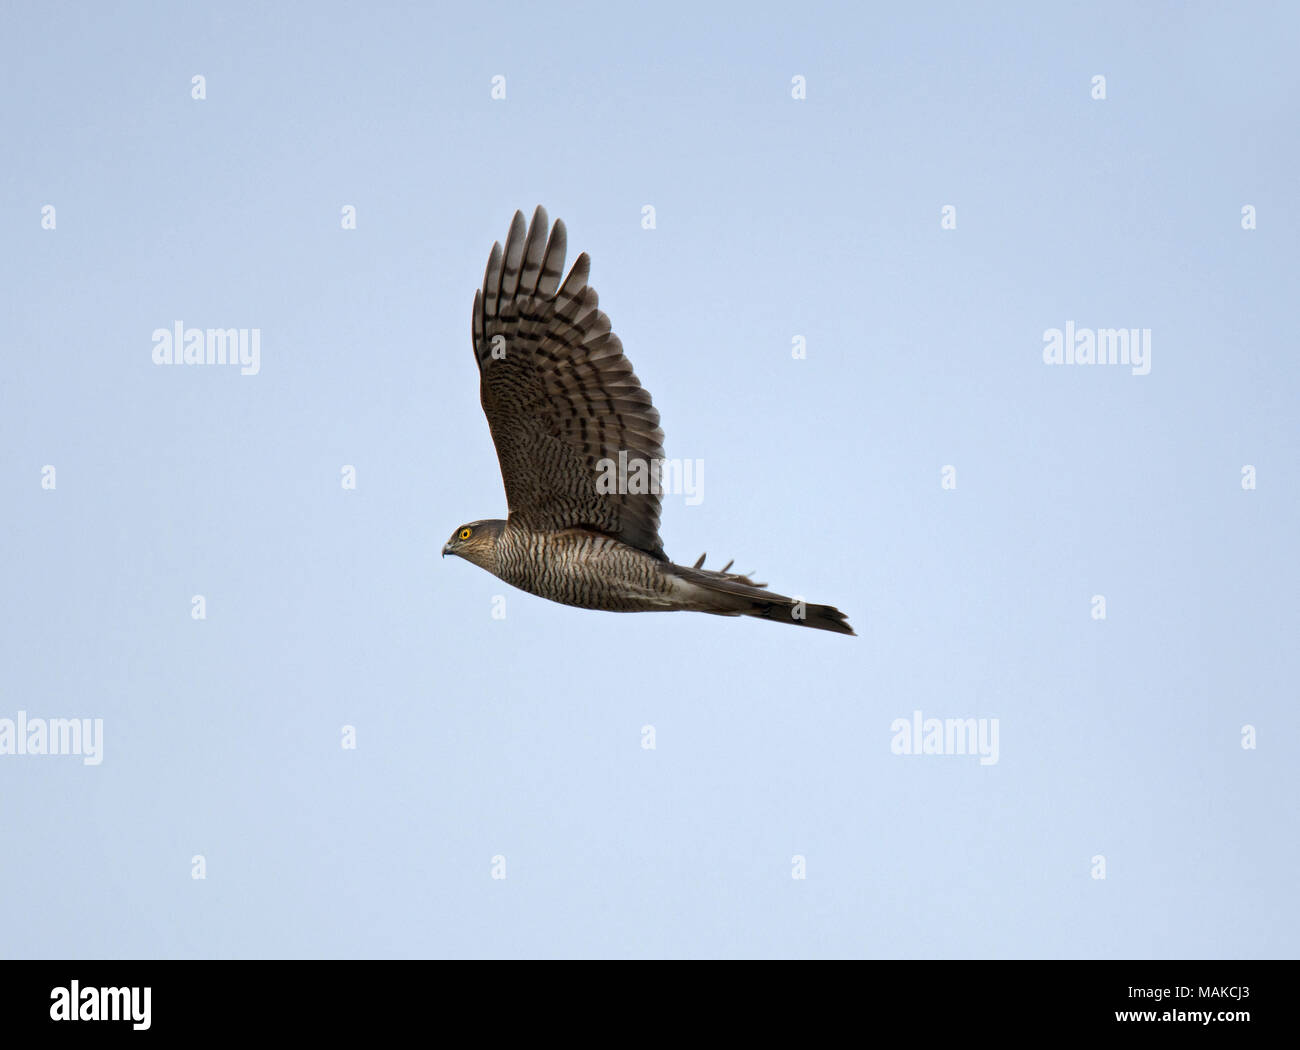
pixel 732 594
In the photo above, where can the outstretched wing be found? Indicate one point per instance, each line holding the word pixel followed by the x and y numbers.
pixel 560 397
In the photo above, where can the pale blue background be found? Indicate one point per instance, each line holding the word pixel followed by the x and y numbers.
pixel 521 737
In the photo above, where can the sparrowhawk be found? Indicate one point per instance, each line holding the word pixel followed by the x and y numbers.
pixel 563 404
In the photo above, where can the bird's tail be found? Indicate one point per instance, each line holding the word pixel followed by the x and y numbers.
pixel 733 594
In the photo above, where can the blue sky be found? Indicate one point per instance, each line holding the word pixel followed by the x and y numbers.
pixel 521 737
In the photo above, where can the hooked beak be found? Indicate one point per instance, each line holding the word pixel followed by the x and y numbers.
pixel 446 549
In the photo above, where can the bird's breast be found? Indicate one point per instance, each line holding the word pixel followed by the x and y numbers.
pixel 582 568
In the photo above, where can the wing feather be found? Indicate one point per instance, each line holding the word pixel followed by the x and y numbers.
pixel 560 397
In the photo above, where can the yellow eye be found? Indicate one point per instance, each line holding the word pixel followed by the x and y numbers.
pixel 465 533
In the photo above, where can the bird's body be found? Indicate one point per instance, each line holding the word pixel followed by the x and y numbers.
pixel 563 403
pixel 580 567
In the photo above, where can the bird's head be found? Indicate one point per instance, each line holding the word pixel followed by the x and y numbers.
pixel 476 542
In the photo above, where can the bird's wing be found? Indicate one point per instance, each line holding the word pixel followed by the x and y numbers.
pixel 559 396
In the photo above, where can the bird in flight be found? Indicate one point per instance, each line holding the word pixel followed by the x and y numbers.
pixel 563 403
